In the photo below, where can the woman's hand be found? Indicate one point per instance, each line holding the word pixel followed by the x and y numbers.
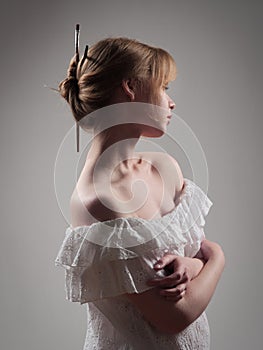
pixel 181 271
pixel 175 316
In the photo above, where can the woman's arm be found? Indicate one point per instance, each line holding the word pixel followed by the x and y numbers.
pixel 181 271
pixel 173 317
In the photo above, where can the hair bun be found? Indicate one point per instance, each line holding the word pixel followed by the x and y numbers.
pixel 68 88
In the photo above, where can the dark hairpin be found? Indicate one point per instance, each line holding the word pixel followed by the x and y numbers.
pixel 77 30
pixel 77 59
pixel 77 42
pixel 86 51
pixel 85 56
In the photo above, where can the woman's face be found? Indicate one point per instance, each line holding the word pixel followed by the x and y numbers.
pixel 161 114
pixel 165 100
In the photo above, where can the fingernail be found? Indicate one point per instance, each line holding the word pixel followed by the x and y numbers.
pixel 158 266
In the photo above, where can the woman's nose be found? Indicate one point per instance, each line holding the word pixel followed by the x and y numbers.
pixel 172 105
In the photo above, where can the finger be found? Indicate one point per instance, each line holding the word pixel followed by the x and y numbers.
pixel 179 273
pixel 180 277
pixel 173 299
pixel 173 291
pixel 185 278
pixel 182 281
pixel 164 261
pixel 170 281
pixel 176 298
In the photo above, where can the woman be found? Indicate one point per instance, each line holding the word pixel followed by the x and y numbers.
pixel 145 276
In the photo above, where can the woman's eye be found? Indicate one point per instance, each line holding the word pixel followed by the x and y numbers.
pixel 166 87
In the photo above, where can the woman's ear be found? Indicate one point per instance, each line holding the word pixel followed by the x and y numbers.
pixel 129 88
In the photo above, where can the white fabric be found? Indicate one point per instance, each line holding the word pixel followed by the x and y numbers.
pixel 107 259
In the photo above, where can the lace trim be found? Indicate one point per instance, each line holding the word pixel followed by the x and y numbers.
pixel 103 263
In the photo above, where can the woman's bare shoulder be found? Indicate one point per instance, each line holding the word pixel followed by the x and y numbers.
pixel 168 162
pixel 92 208
pixel 86 208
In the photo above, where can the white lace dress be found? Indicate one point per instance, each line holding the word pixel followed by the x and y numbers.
pixel 107 259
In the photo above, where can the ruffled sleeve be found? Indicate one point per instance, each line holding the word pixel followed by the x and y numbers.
pixel 114 257
pixel 194 207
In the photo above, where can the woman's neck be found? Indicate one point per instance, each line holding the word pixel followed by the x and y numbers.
pixel 114 147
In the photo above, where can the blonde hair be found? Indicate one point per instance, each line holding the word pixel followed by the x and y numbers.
pixel 90 83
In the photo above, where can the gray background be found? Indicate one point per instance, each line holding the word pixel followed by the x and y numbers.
pixel 218 49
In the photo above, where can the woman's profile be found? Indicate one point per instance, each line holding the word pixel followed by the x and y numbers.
pixel 135 252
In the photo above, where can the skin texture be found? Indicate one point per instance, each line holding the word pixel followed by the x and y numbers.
pixel 181 271
pixel 172 304
pixel 106 182
pixel 172 317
